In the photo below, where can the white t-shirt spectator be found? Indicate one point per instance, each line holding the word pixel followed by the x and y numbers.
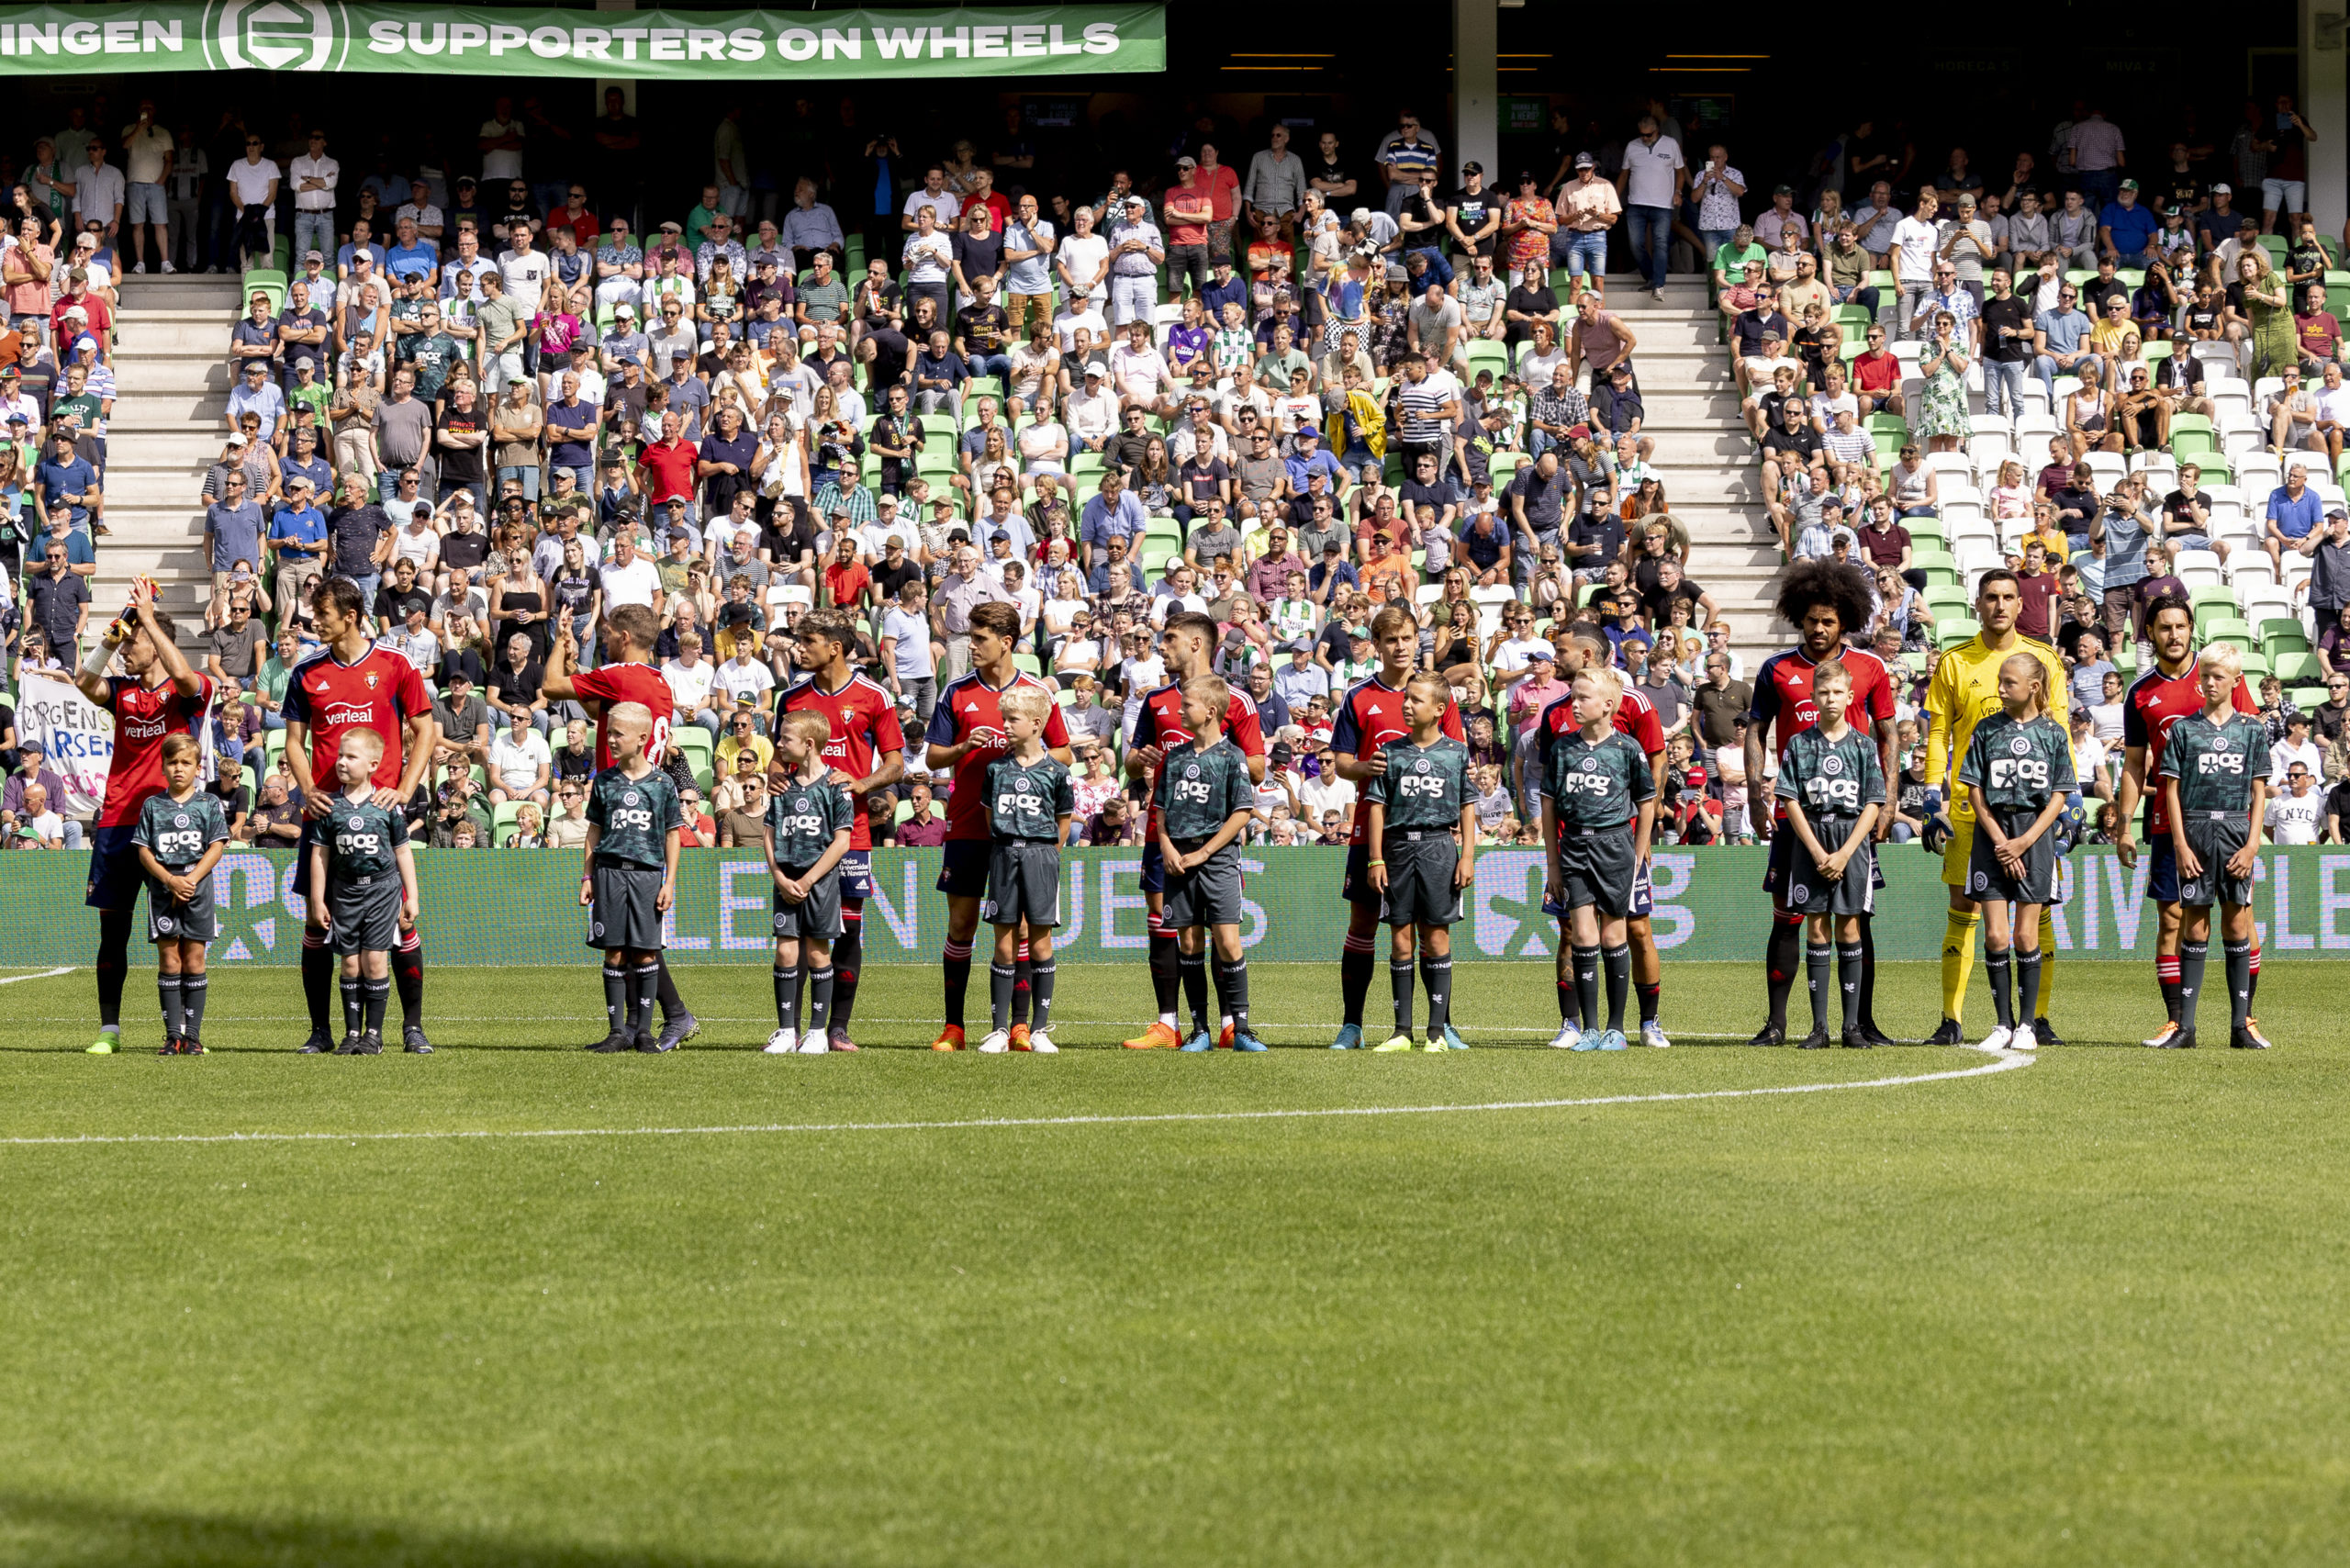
pixel 2284 753
pixel 741 678
pixel 633 584
pixel 946 205
pixel 1084 254
pixel 525 278
pixel 1326 793
pixel 691 686
pixel 249 182
pixel 1913 251
pixel 1517 653
pixel 515 764
pixel 2296 819
pixel 928 257
pixel 911 654
pixel 506 163
pixel 1651 169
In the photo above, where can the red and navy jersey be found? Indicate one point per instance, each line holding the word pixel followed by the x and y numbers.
pixel 1783 696
pixel 1371 714
pixel 600 690
pixel 1161 724
pixel 2153 704
pixel 968 704
pixel 143 715
pixel 380 690
pixel 1635 716
pixel 865 728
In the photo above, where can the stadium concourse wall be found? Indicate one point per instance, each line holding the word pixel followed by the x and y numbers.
pixel 521 906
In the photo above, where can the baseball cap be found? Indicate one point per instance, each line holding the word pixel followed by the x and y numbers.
pixel 1585 161
pixel 1783 190
pixel 2223 190
pixel 1472 167
pixel 235 438
pixel 1309 432
pixel 2330 511
pixel 314 256
pixel 1187 162
pixel 2129 185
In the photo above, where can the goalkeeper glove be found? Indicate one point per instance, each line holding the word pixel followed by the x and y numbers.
pixel 1936 836
pixel 2065 831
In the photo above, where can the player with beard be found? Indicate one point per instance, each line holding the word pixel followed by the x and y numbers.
pixel 1370 715
pixel 1823 601
pixel 630 632
pixel 866 751
pixel 157 695
pixel 1635 717
pixel 2161 695
pixel 967 735
pixel 354 684
pixel 1188 647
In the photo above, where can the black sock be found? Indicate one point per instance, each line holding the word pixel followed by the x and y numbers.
pixel 1438 973
pixel 1021 985
pixel 1852 977
pixel 1355 965
pixel 2191 958
pixel 956 964
pixel 112 963
pixel 823 991
pixel 1586 961
pixel 2027 985
pixel 1000 979
pixel 353 1010
pixel 672 1004
pixel 1867 1021
pixel 407 974
pixel 1649 994
pixel 1232 989
pixel 648 991
pixel 1041 973
pixel 848 959
pixel 1194 969
pixel 1164 971
pixel 1779 960
pixel 318 980
pixel 2238 955
pixel 375 994
pixel 167 991
pixel 194 990
pixel 1815 958
pixel 786 996
pixel 1998 968
pixel 615 998
pixel 1402 976
pixel 1620 982
pixel 1569 1004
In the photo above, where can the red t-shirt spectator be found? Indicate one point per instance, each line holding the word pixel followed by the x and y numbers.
pixel 2036 617
pixel 1876 372
pixel 844 582
pixel 666 469
pixel 912 835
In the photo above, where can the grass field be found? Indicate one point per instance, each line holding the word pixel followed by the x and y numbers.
pixel 2085 1311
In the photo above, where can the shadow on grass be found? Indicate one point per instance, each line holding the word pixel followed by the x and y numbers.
pixel 79 1533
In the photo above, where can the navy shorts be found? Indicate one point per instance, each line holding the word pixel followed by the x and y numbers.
pixel 2161 870
pixel 963 872
pixel 116 877
pixel 856 874
pixel 1357 889
pixel 1154 866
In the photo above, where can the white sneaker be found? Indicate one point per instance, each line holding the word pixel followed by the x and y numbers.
pixel 139 267
pixel 997 1043
pixel 1566 1038
pixel 2022 1039
pixel 1998 1039
pixel 1042 1043
pixel 2163 1036
pixel 814 1043
pixel 169 268
pixel 783 1042
pixel 1653 1035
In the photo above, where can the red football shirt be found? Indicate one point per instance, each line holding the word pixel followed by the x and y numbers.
pixel 142 717
pixel 379 691
pixel 865 728
pixel 1161 724
pixel 1371 714
pixel 600 689
pixel 2153 704
pixel 971 703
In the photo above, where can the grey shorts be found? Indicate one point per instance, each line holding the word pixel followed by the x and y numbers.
pixel 1987 881
pixel 626 910
pixel 364 916
pixel 2213 840
pixel 1597 868
pixel 1811 892
pixel 818 915
pixel 1205 895
pixel 144 204
pixel 1420 865
pixel 191 922
pixel 1023 883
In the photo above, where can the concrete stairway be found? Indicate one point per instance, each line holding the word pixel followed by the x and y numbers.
pixel 1703 453
pixel 171 405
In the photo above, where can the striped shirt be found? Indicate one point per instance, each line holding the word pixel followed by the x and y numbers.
pixel 1422 402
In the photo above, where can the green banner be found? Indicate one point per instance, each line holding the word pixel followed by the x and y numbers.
pixel 698 46
pixel 521 906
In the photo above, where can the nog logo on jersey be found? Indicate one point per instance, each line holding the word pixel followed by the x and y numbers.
pixel 180 841
pixel 1022 796
pixel 1419 783
pixel 803 818
pixel 352 836
pixel 1191 787
pixel 633 813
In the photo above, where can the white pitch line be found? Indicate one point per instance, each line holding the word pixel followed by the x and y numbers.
pixel 2003 1063
pixel 43 974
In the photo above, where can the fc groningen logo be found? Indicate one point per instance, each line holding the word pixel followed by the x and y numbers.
pixel 276 35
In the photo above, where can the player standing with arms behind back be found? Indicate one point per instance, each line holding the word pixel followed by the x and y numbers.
pixel 157 696
pixel 1187 645
pixel 630 633
pixel 867 751
pixel 967 735
pixel 2158 698
pixel 2215 786
pixel 2017 773
pixel 1424 839
pixel 1370 715
pixel 352 684
pixel 1964 692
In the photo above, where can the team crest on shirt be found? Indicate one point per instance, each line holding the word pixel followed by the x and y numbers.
pixel 1192 770
pixel 356 825
pixel 1022 782
pixel 372 678
pixel 2019 746
pixel 801 804
pixel 1831 765
pixel 1420 765
pixel 179 819
pixel 628 798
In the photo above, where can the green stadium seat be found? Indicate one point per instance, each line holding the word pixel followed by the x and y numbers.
pixel 700 749
pixel 2125 658
pixel 2290 665
pixel 1950 634
pixel 2256 666
pixel 2233 631
pixel 2306 697
pixel 502 821
pixel 270 281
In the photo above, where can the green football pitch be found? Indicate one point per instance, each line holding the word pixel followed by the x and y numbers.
pixel 511 1304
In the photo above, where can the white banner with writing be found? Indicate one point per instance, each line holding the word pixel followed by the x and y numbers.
pixel 75 733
